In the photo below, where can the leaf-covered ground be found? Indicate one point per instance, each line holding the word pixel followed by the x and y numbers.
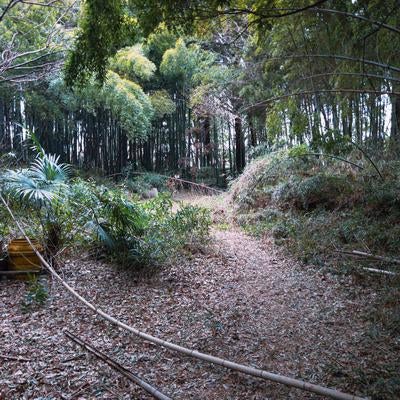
pixel 239 299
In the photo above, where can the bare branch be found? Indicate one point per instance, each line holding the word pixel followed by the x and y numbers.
pixel 360 17
pixel 314 92
pixel 31 61
pixel 359 74
pixel 207 14
pixel 8 7
pixel 335 56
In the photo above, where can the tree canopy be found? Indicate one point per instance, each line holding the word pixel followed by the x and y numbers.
pixel 200 85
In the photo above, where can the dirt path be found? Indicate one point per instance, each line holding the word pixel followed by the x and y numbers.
pixel 240 299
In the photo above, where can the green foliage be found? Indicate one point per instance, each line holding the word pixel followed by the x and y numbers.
pixel 320 190
pixel 36 295
pixel 382 198
pixel 126 100
pixel 162 103
pixel 142 183
pixel 255 187
pixel 158 42
pixel 191 223
pixel 213 85
pixel 178 16
pixel 43 105
pixel 131 64
pixel 138 233
pixel 129 103
pixel 100 19
pixel 298 151
pixel 39 184
pixel 117 222
pixel 316 206
pixel 273 123
pixel 183 64
pixel 80 213
pixel 41 190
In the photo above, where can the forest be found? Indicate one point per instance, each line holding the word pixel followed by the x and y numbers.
pixel 199 199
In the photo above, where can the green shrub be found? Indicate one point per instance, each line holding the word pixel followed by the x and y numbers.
pixel 254 188
pixel 83 213
pixel 316 191
pixel 280 231
pixel 40 190
pixel 383 197
pixel 139 233
pixel 144 182
pixel 318 205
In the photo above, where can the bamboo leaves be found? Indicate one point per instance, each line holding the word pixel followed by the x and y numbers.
pixel 129 104
pixel 131 64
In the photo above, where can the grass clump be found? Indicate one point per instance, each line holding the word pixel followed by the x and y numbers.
pixel 320 190
pixel 36 295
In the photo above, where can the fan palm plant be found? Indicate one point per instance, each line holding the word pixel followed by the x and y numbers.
pixel 39 184
pixel 40 187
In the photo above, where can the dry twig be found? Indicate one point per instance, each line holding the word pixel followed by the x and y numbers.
pixel 118 367
pixel 15 358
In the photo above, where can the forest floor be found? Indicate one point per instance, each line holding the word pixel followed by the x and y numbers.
pixel 239 298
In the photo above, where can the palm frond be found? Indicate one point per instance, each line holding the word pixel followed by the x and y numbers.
pixel 102 234
pixel 41 183
pixel 22 185
pixel 48 169
pixel 37 147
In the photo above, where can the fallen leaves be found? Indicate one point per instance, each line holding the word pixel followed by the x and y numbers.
pixel 240 300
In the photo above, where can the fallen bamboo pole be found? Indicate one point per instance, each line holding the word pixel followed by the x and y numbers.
pixel 358 253
pixel 297 383
pixel 375 257
pixel 201 185
pixel 380 271
pixel 118 367
pixel 19 272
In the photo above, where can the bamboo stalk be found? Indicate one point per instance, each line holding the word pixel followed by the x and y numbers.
pixel 118 367
pixel 375 257
pixel 313 92
pixel 15 358
pixel 201 185
pixel 380 271
pixel 371 256
pixel 19 272
pixel 335 394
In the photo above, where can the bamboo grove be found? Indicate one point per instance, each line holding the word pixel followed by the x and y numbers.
pixel 201 105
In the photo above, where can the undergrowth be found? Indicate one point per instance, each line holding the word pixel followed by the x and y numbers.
pixel 135 232
pixel 317 208
pixel 88 215
pixel 144 182
pixel 36 295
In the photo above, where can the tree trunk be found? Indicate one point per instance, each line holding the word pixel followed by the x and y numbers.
pixel 253 133
pixel 239 141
